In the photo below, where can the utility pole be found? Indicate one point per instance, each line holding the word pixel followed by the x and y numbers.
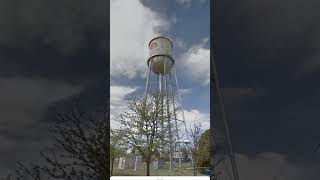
pixel 224 118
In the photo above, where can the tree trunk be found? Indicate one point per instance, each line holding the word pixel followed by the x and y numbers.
pixel 148 168
pixel 112 162
pixel 194 167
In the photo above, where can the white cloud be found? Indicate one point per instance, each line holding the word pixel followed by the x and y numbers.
pixel 118 100
pixel 132 26
pixel 179 43
pixel 197 63
pixel 184 92
pixel 185 3
pixel 196 115
pixel 118 94
pixel 191 116
pixel 174 19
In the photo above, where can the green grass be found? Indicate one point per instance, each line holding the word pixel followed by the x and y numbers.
pixel 185 170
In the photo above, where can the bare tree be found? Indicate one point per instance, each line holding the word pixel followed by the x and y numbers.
pixel 195 135
pixel 80 151
pixel 141 126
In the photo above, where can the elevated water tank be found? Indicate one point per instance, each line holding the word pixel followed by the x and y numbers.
pixel 160 55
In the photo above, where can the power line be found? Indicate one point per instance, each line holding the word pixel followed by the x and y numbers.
pixel 224 118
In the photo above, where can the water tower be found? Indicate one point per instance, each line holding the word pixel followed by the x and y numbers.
pixel 161 69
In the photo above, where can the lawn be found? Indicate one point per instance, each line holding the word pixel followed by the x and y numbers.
pixel 185 170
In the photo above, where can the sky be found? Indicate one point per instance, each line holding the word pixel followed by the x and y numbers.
pixel 50 52
pixel 133 24
pixel 267 56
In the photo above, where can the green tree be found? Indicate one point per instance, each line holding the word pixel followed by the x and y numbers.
pixel 116 148
pixel 195 135
pixel 203 158
pixel 141 126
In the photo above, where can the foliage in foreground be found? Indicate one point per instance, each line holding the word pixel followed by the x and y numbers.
pixel 117 149
pixel 143 127
pixel 80 151
pixel 203 159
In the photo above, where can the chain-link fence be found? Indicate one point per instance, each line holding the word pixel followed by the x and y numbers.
pixel 129 166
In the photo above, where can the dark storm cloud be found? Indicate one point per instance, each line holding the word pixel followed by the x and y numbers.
pixel 270 31
pixel 79 68
pixel 23 100
pixel 57 39
pixel 268 165
pixel 24 149
pixel 311 65
pixel 288 24
pixel 273 45
pixel 23 107
pixel 61 24
pixel 237 95
pixel 50 51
